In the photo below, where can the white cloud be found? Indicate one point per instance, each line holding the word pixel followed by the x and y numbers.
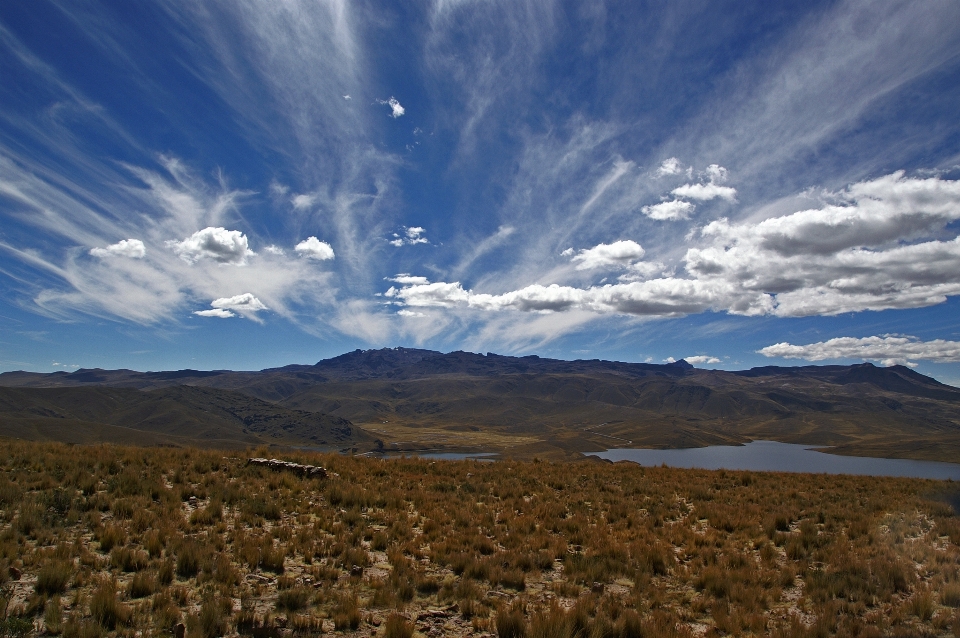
pixel 411 235
pixel 396 110
pixel 274 250
pixel 314 249
pixel 845 257
pixel 132 248
pixel 701 358
pixel 669 211
pixel 215 312
pixel 405 279
pixel 706 192
pixel 669 166
pixel 241 303
pixel 219 244
pixel 888 349
pixel 618 254
pixel 410 313
pixel 303 201
pixel 716 174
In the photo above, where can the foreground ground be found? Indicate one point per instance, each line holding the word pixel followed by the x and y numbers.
pixel 133 541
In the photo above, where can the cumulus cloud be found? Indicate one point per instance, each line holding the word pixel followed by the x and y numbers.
pixel 700 359
pixel 396 110
pixel 865 251
pixel 218 244
pixel 132 248
pixel 225 307
pixel 274 250
pixel 716 173
pixel 618 254
pixel 706 192
pixel 409 313
pixel 241 303
pixel 215 312
pixel 887 349
pixel 669 166
pixel 411 235
pixel 656 297
pixel 313 248
pixel 669 211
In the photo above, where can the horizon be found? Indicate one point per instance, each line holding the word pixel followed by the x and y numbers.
pixel 480 354
pixel 243 187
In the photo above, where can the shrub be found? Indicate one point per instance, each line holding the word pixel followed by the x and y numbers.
pixel 142 585
pixel 188 560
pixel 293 599
pixel 510 623
pixel 105 608
pixel 950 595
pixel 346 613
pixel 397 626
pixel 212 619
pixel 53 577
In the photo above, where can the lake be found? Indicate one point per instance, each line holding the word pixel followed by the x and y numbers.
pixel 773 456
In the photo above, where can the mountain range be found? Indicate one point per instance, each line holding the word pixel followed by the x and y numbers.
pixel 405 399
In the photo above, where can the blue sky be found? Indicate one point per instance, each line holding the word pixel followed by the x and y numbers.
pixel 247 185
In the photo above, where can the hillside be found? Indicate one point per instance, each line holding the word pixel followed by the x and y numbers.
pixel 420 399
pixel 178 415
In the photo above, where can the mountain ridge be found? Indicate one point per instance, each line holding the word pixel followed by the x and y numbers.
pixel 418 399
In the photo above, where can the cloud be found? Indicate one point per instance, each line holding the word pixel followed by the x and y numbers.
pixel 303 201
pixel 396 110
pixel 241 303
pixel 226 307
pixel 132 248
pixel 657 297
pixel 706 192
pixel 888 349
pixel 274 250
pixel 701 358
pixel 219 244
pixel 405 279
pixel 850 256
pixel 669 211
pixel 411 235
pixel 669 166
pixel 215 312
pixel 618 254
pixel 313 248
pixel 716 174
pixel 410 313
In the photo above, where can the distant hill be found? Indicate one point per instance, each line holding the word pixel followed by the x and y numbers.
pixel 177 415
pixel 414 399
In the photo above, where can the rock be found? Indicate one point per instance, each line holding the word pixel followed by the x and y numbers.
pixel 356 571
pixel 307 471
pixel 179 630
pixel 597 588
pixel 15 573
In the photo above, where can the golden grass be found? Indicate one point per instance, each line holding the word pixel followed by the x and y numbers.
pixel 134 541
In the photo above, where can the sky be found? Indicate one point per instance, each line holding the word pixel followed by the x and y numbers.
pixel 244 185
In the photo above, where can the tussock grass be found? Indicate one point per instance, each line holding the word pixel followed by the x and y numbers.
pixel 123 540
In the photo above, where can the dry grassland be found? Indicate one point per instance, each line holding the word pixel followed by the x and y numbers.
pixel 134 542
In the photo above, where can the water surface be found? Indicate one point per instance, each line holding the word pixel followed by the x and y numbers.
pixel 773 456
